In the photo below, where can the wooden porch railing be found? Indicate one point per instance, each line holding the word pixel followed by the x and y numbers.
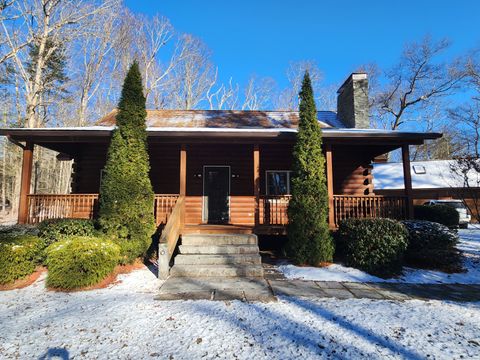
pixel 169 237
pixel 52 206
pixel 273 209
pixel 164 204
pixel 375 206
pixel 83 206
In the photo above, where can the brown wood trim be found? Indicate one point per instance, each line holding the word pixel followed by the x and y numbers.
pixel 329 166
pixel 26 179
pixel 256 181
pixel 183 182
pixel 183 170
pixel 407 178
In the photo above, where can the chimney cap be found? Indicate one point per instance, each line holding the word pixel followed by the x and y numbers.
pixel 351 77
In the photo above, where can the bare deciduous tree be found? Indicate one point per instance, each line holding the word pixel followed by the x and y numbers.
pixel 259 93
pixel 95 60
pixel 223 96
pixel 51 24
pixel 192 75
pixel 288 97
pixel 419 77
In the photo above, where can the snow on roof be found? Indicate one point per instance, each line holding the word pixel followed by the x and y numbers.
pixel 331 118
pixel 425 175
pixel 236 119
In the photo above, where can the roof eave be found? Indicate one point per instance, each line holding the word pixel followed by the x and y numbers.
pixel 329 133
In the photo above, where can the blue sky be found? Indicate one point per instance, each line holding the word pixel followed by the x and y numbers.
pixel 261 37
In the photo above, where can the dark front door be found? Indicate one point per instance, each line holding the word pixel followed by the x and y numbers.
pixel 216 192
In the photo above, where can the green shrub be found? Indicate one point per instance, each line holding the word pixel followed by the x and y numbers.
pixel 432 246
pixel 76 261
pixel 126 193
pixel 130 250
pixel 18 230
pixel 309 239
pixel 56 229
pixel 373 245
pixel 441 214
pixel 19 256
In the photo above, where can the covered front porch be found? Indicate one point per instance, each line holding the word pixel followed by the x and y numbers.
pixel 243 183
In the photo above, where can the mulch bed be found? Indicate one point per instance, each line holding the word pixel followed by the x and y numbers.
pixel 109 280
pixel 26 281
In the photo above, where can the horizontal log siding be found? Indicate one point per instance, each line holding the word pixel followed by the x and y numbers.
pixel 164 168
pixel 87 168
pixel 351 167
pixel 352 171
pixel 240 159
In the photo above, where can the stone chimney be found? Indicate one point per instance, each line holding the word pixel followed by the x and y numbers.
pixel 352 102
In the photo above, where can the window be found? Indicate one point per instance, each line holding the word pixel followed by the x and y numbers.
pixel 278 182
pixel 419 169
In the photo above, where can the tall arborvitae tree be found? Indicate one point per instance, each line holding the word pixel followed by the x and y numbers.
pixel 309 240
pixel 126 194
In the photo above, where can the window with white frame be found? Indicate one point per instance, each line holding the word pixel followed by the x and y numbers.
pixel 278 182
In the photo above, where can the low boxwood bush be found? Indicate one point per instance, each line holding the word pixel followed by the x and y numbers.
pixel 19 256
pixel 18 230
pixel 441 214
pixel 56 229
pixel 432 246
pixel 373 245
pixel 130 249
pixel 79 261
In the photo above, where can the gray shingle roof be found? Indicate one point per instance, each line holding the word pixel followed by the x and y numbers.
pixel 234 119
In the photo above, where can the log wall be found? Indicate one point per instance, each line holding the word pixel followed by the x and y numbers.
pixel 351 172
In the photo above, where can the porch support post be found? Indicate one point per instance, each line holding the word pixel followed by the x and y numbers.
pixel 256 182
pixel 183 170
pixel 26 180
pixel 329 166
pixel 407 178
pixel 183 179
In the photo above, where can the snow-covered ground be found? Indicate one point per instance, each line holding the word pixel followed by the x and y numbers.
pixel 125 322
pixel 469 244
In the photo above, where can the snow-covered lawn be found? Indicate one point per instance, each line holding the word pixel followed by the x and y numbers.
pixel 469 244
pixel 124 321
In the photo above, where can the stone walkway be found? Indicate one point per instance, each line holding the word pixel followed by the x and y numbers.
pixel 244 289
pixel 211 288
pixel 375 291
pixel 275 284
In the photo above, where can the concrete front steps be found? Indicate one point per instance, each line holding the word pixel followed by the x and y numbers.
pixel 218 255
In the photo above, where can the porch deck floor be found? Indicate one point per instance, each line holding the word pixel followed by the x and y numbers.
pixel 217 229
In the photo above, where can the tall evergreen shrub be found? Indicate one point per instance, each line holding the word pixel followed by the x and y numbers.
pixel 309 239
pixel 126 194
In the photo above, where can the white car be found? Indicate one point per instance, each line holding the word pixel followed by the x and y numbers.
pixel 464 216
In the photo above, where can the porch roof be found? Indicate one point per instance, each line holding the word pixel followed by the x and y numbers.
pixel 67 134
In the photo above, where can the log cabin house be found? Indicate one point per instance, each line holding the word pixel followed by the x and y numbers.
pixel 227 171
